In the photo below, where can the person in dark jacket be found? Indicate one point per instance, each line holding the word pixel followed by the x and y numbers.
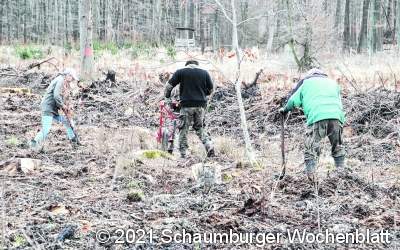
pixel 54 100
pixel 320 99
pixel 195 85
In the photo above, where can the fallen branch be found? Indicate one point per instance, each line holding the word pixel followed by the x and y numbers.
pixel 38 64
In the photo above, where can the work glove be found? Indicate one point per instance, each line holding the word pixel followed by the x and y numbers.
pixel 167 100
pixel 282 111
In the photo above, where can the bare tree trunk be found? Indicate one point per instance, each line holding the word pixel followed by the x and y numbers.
pixel 271 34
pixel 377 31
pixel 398 25
pixel 25 21
pixel 215 32
pixel 390 14
pixel 9 38
pixel 235 46
pixel 109 27
pixel 1 21
pixel 371 30
pixel 86 36
pixel 346 31
pixel 362 39
pixel 354 19
pixel 395 13
pixel 202 28
pixel 18 19
pixel 66 21
pixel 244 9
pixel 338 16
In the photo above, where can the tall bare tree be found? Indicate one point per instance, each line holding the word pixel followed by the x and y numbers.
pixel 86 39
pixel 346 32
pixel 235 46
pixel 398 25
pixel 377 30
pixel 362 39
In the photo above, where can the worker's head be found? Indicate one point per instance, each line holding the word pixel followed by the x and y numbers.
pixel 192 62
pixel 315 71
pixel 70 75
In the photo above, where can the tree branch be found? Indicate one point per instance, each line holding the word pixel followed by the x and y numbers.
pixel 223 10
pixel 258 17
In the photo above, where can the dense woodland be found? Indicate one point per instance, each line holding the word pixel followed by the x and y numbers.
pixel 352 25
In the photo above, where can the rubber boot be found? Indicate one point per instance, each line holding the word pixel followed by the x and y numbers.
pixel 171 147
pixel 310 170
pixel 210 150
pixel 340 166
pixel 309 166
pixel 35 146
pixel 75 141
pixel 339 162
pixel 183 154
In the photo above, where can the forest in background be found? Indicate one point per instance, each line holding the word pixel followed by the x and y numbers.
pixel 352 25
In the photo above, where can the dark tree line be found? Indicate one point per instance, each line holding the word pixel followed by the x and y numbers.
pixel 352 25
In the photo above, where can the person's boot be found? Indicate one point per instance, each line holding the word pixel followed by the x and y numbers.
pixel 171 147
pixel 310 170
pixel 211 152
pixel 75 141
pixel 210 149
pixel 339 162
pixel 35 146
pixel 33 143
pixel 183 154
pixel 340 166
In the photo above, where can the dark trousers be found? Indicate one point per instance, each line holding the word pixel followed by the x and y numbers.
pixel 331 128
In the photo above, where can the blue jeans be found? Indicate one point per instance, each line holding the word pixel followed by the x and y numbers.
pixel 47 120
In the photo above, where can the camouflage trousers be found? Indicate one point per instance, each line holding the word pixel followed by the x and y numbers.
pixel 331 128
pixel 187 117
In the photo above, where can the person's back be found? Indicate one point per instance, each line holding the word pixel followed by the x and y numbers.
pixel 49 101
pixel 194 86
pixel 321 100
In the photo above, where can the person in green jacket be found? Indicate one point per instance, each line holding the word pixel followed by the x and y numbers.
pixel 320 99
pixel 54 100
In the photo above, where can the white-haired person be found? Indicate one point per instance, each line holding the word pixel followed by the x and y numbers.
pixel 55 99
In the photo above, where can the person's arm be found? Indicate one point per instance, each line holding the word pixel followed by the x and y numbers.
pixel 339 96
pixel 175 80
pixel 295 101
pixel 340 101
pixel 209 84
pixel 58 93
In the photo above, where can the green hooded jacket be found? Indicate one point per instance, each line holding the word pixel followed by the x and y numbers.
pixel 53 99
pixel 320 99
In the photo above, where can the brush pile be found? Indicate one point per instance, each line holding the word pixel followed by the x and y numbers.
pixel 373 121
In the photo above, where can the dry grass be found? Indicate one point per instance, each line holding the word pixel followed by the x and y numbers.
pixel 229 148
pixel 279 69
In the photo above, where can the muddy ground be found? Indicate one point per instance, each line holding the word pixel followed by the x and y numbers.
pixel 77 192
